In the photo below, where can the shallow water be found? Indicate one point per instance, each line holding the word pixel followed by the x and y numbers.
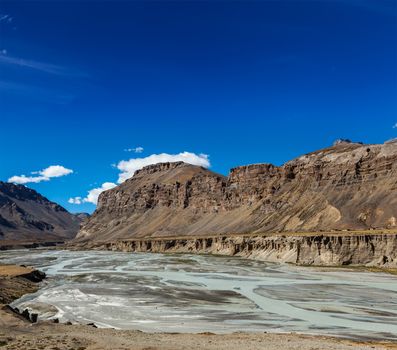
pixel 196 293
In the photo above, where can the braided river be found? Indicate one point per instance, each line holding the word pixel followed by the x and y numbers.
pixel 201 293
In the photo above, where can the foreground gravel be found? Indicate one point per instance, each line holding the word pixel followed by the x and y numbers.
pixel 17 334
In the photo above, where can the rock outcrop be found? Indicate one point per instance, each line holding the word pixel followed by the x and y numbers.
pixel 377 250
pixel 27 216
pixel 16 281
pixel 349 186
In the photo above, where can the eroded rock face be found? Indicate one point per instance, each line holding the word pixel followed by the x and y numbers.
pixel 347 186
pixel 378 250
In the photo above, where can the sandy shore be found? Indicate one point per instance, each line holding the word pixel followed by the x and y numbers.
pixel 18 333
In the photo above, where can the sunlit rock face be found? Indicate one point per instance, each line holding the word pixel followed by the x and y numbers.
pixel 375 250
pixel 193 293
pixel 346 186
pixel 25 215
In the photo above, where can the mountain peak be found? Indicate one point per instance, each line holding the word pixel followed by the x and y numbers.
pixel 25 215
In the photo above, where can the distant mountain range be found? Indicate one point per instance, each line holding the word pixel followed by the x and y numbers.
pixel 27 216
pixel 346 186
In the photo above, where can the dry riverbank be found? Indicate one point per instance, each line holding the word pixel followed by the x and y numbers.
pixel 15 281
pixel 62 337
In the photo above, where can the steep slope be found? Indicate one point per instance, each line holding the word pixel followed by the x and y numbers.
pixel 346 186
pixel 25 215
pixel 160 199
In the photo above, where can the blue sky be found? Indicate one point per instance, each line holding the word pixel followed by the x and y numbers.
pixel 242 82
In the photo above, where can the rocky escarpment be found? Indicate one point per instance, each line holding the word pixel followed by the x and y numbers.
pixel 348 186
pixel 378 249
pixel 27 216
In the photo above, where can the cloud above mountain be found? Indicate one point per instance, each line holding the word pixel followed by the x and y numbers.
pixel 41 175
pixel 92 195
pixel 129 167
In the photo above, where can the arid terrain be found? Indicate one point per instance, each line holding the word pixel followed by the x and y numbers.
pixel 27 217
pixel 349 186
pixel 198 174
pixel 18 333
pixel 353 248
pixel 333 207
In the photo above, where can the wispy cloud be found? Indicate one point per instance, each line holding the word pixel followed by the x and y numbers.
pixel 138 149
pixel 6 18
pixel 395 126
pixel 36 65
pixel 42 175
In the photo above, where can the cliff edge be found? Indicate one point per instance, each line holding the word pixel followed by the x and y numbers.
pixel 349 186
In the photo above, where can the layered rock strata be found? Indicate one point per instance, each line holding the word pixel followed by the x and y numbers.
pixel 349 186
pixel 322 250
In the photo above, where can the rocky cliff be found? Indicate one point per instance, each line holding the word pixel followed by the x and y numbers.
pixel 27 216
pixel 331 249
pixel 348 186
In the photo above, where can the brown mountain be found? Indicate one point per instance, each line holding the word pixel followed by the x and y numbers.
pixel 346 186
pixel 25 215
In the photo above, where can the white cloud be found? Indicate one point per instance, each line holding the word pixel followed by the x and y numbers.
pixel 55 171
pixel 395 126
pixel 41 66
pixel 43 175
pixel 138 149
pixel 92 195
pixel 128 167
pixel 23 179
pixel 75 200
